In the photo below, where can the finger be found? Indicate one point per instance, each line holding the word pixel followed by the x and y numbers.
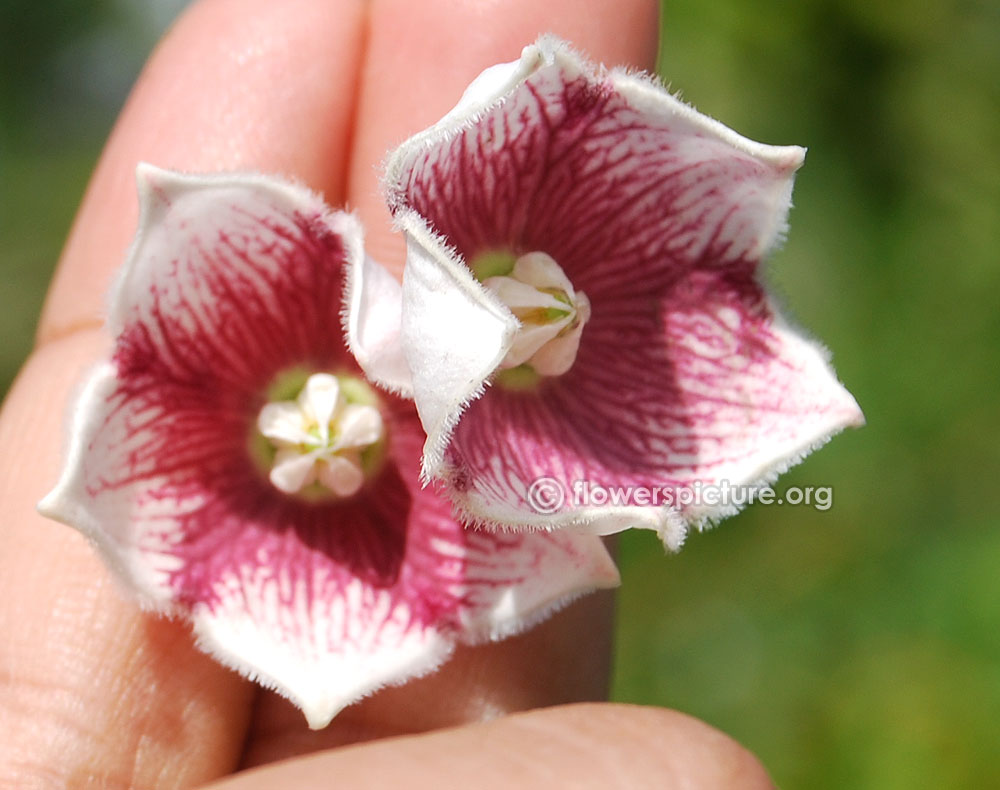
pixel 89 687
pixel 580 746
pixel 238 85
pixel 419 59
pixel 421 56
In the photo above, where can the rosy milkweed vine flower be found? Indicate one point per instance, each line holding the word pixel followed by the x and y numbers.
pixel 588 245
pixel 232 465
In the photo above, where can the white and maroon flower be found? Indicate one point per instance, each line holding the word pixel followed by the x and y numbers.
pixel 231 463
pixel 588 245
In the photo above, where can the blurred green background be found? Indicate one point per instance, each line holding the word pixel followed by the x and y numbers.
pixel 853 648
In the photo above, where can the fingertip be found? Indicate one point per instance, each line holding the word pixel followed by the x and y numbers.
pixel 581 746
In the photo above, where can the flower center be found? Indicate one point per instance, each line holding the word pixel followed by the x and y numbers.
pixel 326 441
pixel 551 312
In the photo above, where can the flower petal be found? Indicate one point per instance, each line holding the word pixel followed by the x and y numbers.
pixel 282 421
pixel 530 339
pixel 319 401
pixel 517 579
pixel 296 623
pixel 604 172
pixel 292 470
pixel 596 169
pixel 455 334
pixel 640 201
pixel 225 300
pixel 491 584
pixel 217 261
pixel 732 399
pixel 560 354
pixel 343 476
pixel 517 294
pixel 372 314
pixel 280 608
pixel 359 426
pixel 539 270
pixel 101 507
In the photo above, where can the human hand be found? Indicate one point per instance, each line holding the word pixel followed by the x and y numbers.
pixel 96 692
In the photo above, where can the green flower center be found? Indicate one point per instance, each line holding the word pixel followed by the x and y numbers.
pixel 319 435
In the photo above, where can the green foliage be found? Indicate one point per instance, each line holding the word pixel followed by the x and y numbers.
pixel 33 34
pixel 858 647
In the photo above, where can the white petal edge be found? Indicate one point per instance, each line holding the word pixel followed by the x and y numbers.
pixel 70 503
pixel 643 92
pixel 668 524
pixel 318 683
pixel 518 608
pixel 371 316
pixel 492 82
pixel 784 456
pixel 455 334
pixel 160 193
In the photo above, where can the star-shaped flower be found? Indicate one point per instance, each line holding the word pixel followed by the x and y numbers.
pixel 232 465
pixel 588 245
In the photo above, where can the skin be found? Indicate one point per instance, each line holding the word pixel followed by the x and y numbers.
pixel 93 692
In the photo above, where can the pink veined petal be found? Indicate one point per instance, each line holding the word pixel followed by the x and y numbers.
pixel 625 187
pixel 732 398
pixel 264 576
pixel 640 200
pixel 141 558
pixel 603 171
pixel 308 598
pixel 517 579
pixel 276 607
pixel 505 581
pixel 203 299
pixel 201 326
pixel 321 660
pixel 160 475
